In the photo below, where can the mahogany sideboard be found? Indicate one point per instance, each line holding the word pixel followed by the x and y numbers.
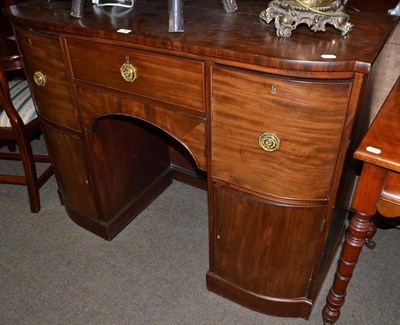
pixel 268 125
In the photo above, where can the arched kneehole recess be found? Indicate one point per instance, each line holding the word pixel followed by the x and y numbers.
pixel 144 161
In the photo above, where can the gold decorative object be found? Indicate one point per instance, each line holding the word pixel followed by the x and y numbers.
pixel 269 141
pixel 128 70
pixel 287 14
pixel 40 78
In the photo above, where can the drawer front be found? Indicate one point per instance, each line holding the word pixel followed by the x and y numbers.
pixel 43 53
pixel 162 77
pixel 306 116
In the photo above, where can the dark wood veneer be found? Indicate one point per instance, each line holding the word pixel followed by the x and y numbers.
pixel 196 110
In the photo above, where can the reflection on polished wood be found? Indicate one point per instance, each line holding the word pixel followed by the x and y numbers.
pixel 195 112
pixel 378 191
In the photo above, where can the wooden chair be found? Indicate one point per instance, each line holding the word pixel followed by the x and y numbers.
pixel 19 125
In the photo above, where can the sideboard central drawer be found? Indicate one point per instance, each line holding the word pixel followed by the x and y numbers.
pixel 162 77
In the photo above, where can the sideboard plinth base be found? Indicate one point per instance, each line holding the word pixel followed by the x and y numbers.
pixel 108 230
pixel 263 304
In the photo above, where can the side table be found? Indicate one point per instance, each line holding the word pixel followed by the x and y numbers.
pixel 378 191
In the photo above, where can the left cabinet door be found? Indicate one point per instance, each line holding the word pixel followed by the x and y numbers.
pixel 46 72
pixel 67 154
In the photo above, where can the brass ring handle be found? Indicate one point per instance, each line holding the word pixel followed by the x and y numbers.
pixel 40 78
pixel 269 141
pixel 128 72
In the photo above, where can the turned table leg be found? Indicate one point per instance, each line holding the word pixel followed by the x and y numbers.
pixel 365 202
pixel 355 238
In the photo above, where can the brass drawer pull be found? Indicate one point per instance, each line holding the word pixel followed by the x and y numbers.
pixel 269 141
pixel 128 70
pixel 40 78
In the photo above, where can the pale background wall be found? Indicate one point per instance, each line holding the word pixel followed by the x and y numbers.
pixel 389 71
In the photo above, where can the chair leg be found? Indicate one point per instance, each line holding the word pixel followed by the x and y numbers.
pixel 34 198
pixel 30 175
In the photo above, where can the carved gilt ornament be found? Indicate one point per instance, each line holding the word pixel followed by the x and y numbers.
pixel 288 14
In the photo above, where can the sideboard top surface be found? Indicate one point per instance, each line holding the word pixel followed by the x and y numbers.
pixel 211 32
